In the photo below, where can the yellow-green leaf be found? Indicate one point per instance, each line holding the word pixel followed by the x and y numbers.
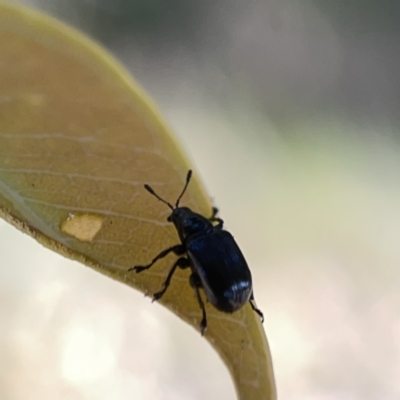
pixel 78 139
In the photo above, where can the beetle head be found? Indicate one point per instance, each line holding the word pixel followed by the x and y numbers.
pixel 188 223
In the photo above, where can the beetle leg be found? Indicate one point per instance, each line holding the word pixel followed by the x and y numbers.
pixel 196 284
pixel 177 249
pixel 214 211
pixel 214 218
pixel 254 307
pixel 181 263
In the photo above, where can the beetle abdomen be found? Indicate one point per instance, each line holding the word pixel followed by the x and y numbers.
pixel 222 269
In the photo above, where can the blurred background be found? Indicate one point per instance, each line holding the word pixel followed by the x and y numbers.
pixel 290 113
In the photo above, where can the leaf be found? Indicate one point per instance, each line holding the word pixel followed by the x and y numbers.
pixel 78 139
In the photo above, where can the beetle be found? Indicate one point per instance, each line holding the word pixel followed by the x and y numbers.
pixel 216 262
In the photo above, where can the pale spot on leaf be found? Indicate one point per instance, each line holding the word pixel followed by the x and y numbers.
pixel 82 227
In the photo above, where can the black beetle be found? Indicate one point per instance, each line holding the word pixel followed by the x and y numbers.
pixel 216 262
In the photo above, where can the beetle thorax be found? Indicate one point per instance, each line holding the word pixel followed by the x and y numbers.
pixel 188 223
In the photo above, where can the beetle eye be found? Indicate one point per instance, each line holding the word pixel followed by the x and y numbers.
pixel 169 219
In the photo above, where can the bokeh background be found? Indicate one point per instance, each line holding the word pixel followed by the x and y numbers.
pixel 290 113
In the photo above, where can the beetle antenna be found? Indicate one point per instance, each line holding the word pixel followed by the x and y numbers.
pixel 151 191
pixel 188 176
